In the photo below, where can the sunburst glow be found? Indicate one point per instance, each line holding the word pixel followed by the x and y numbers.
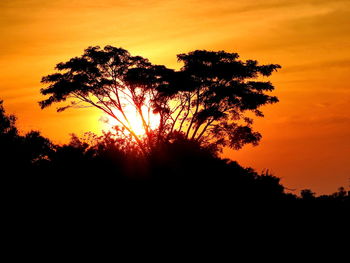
pixel 135 120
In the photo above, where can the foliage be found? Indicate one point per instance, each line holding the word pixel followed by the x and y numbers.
pixel 177 171
pixel 220 90
pixel 207 99
pixel 20 151
pixel 8 122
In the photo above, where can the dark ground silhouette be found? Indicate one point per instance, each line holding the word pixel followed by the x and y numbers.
pixel 110 171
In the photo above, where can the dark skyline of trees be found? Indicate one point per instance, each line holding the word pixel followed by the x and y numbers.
pixel 179 170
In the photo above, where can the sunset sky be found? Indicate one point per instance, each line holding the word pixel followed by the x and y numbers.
pixel 306 136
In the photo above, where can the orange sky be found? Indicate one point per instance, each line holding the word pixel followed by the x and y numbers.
pixel 305 136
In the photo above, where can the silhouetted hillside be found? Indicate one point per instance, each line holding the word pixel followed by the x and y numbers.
pixel 109 168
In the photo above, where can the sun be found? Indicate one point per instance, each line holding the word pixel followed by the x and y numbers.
pixel 134 120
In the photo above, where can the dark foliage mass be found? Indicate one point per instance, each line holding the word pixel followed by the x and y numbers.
pixel 210 99
pixel 111 170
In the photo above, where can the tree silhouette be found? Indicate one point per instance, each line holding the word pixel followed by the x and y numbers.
pixel 20 152
pixel 206 100
pixel 307 194
pixel 217 91
pixel 8 123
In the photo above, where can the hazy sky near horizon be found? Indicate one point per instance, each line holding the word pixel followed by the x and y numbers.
pixel 305 136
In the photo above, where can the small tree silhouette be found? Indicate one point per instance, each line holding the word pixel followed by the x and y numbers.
pixel 307 194
pixel 8 123
pixel 206 100
pixel 19 152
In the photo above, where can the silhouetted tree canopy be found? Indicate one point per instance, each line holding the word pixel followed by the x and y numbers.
pixel 20 151
pixel 8 123
pixel 207 100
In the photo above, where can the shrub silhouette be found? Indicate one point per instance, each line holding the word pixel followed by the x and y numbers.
pixel 19 154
